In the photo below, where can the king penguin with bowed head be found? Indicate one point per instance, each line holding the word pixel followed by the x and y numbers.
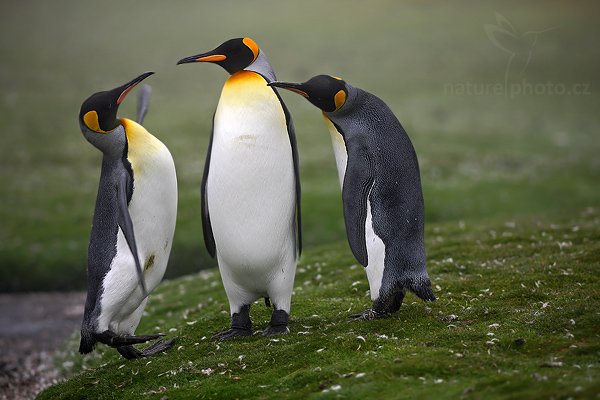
pixel 381 190
pixel 250 194
pixel 133 223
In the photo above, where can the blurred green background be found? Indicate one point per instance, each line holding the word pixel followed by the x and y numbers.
pixel 491 143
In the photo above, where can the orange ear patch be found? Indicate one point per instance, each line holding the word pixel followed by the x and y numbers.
pixel 90 119
pixel 251 44
pixel 339 99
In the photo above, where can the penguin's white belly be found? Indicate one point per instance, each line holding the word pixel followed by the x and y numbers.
pixel 375 246
pixel 251 188
pixel 153 210
pixel 375 254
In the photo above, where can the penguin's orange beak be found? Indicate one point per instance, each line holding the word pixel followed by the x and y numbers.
pixel 126 88
pixel 204 57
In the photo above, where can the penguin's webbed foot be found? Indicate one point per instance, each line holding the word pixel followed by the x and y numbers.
pixel 158 347
pixel 111 339
pixel 233 333
pixel 241 325
pixel 367 315
pixel 278 324
pixel 131 353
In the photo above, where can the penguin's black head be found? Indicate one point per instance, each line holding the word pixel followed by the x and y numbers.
pixel 326 92
pixel 234 55
pixel 99 112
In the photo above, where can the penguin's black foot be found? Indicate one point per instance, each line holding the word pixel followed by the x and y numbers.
pixel 131 353
pixel 278 324
pixel 367 315
pixel 111 339
pixel 158 347
pixel 241 325
pixel 233 333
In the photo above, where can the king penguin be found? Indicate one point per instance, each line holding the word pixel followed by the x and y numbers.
pixel 133 223
pixel 251 188
pixel 381 190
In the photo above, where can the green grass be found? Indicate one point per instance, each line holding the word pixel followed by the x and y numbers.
pixel 510 184
pixel 481 155
pixel 497 281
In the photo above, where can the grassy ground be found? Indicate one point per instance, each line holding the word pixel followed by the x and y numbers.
pixel 482 153
pixel 516 317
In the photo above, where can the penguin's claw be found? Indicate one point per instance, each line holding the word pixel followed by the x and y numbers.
pixel 367 315
pixel 233 333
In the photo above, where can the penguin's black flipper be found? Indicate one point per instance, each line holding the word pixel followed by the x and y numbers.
pixel 295 159
pixel 209 240
pixel 127 226
pixel 358 181
pixel 143 102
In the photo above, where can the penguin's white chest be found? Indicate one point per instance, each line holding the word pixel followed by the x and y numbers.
pixel 250 188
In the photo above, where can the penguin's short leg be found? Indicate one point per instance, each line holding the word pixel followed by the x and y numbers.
pixel 129 352
pixel 278 324
pixel 280 292
pixel 128 326
pixel 383 306
pixel 389 303
pixel 240 325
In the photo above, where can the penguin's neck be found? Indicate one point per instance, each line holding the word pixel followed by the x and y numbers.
pixel 261 66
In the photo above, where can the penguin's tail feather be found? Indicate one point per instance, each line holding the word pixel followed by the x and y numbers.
pixel 422 288
pixel 88 341
pixel 143 102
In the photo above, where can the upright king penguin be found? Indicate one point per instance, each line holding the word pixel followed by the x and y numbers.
pixel 381 190
pixel 251 188
pixel 134 220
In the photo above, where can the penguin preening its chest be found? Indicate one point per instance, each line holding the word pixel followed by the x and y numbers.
pixel 381 190
pixel 251 188
pixel 133 223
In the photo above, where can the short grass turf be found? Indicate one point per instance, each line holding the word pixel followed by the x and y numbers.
pixel 516 317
